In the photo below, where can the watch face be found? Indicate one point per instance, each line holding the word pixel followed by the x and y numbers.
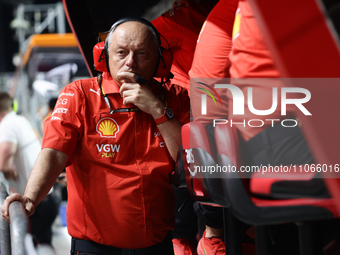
pixel 169 113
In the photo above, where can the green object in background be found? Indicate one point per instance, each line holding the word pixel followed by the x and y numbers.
pixel 15 105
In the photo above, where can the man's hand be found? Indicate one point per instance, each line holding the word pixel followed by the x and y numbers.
pixel 46 169
pixel 139 95
pixel 26 202
pixel 142 97
pixel 10 173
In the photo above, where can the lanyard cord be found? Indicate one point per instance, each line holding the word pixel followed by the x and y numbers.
pixel 99 79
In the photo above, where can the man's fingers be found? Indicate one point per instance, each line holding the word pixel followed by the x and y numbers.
pixel 130 89
pixel 4 211
pixel 129 100
pixel 127 93
pixel 128 86
pixel 12 174
pixel 5 206
pixel 130 77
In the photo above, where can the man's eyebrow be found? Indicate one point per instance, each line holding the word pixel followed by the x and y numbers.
pixel 119 47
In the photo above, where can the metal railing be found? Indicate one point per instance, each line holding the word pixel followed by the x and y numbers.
pixel 5 237
pixel 18 228
pixel 13 235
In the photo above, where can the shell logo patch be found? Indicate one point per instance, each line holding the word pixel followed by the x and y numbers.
pixel 107 127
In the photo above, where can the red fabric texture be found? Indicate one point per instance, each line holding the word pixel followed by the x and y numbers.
pixel 181 26
pixel 237 48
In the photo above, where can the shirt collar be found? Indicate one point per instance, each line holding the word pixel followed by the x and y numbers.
pixel 108 84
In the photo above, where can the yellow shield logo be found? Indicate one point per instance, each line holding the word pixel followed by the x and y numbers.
pixel 107 127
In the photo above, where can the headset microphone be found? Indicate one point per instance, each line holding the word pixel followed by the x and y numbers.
pixel 141 80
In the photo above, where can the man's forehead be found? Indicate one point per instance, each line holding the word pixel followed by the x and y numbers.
pixel 133 30
pixel 133 26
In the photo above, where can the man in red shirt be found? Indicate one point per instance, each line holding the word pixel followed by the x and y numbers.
pixel 118 140
pixel 211 60
pixel 181 26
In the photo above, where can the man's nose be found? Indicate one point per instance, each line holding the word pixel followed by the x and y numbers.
pixel 131 61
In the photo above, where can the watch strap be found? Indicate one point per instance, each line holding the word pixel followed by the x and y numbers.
pixel 167 115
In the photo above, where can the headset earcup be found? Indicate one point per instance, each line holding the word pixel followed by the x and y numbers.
pixel 164 66
pixel 99 57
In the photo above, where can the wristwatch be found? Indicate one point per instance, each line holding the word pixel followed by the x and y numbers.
pixel 167 115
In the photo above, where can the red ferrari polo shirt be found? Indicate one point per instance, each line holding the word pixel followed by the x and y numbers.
pixel 251 58
pixel 211 59
pixel 181 26
pixel 231 41
pixel 118 173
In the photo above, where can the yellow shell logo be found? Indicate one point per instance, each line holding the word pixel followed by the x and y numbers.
pixel 107 127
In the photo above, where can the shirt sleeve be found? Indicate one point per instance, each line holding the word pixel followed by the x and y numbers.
pixel 65 127
pixel 211 60
pixel 170 25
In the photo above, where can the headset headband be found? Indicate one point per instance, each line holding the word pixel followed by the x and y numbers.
pixel 140 20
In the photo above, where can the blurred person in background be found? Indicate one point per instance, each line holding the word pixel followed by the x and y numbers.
pixel 19 149
pixel 50 106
